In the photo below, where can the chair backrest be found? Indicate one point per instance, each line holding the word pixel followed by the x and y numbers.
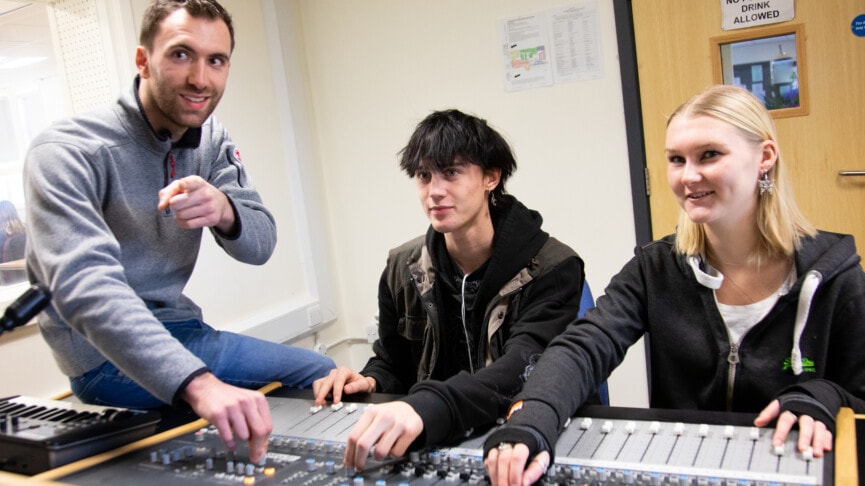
pixel 13 248
pixel 587 301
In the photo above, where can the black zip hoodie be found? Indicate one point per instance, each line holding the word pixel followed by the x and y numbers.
pixel 807 351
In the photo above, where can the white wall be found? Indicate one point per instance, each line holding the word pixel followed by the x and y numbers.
pixel 359 76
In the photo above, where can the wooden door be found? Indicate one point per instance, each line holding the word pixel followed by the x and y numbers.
pixel 675 61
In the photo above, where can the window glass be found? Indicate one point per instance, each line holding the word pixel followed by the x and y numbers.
pixel 31 96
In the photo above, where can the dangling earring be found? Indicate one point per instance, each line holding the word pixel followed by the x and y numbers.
pixel 492 198
pixel 766 184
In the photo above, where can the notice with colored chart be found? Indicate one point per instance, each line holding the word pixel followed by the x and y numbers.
pixel 556 46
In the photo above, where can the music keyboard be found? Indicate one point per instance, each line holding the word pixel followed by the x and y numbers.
pixel 38 434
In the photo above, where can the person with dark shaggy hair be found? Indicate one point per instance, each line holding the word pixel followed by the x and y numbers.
pixel 465 310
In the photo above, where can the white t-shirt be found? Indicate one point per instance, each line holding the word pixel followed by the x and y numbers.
pixel 741 318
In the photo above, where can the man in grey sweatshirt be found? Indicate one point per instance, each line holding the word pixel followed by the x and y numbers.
pixel 117 200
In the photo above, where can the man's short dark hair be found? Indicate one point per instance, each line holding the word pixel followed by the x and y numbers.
pixel 200 9
pixel 448 137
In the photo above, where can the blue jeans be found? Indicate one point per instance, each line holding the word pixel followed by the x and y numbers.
pixel 239 360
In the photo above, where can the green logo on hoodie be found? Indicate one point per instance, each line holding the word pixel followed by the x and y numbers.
pixel 807 365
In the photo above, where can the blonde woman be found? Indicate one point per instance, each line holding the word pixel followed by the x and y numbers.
pixel 749 308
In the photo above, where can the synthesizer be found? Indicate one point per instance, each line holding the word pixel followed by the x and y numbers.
pixel 37 434
pixel 601 445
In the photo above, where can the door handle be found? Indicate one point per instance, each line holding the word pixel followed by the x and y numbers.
pixel 851 173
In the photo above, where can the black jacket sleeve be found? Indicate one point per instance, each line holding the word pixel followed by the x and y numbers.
pixel 391 365
pixel 451 409
pixel 820 399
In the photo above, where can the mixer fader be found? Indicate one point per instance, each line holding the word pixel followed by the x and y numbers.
pixel 601 445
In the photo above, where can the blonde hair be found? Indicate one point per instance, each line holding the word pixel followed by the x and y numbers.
pixel 781 225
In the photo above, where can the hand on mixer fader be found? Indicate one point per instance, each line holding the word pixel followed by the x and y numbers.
pixel 595 450
pixel 814 437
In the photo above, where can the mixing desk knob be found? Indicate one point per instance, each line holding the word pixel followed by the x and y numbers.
pixel 627 477
pixel 602 475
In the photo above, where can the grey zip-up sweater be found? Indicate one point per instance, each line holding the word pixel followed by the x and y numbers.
pixel 807 351
pixel 116 265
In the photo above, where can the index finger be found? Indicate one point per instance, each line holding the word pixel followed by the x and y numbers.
pixel 322 387
pixel 352 449
pixel 339 384
pixel 492 464
pixel 167 192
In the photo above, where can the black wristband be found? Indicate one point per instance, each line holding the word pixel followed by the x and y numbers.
pixel 803 404
pixel 818 398
pixel 514 434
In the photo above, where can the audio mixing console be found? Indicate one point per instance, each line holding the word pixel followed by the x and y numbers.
pixel 601 445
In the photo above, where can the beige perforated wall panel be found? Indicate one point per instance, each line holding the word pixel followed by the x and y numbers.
pixel 82 56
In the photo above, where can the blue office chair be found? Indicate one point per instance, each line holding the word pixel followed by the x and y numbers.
pixel 587 301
